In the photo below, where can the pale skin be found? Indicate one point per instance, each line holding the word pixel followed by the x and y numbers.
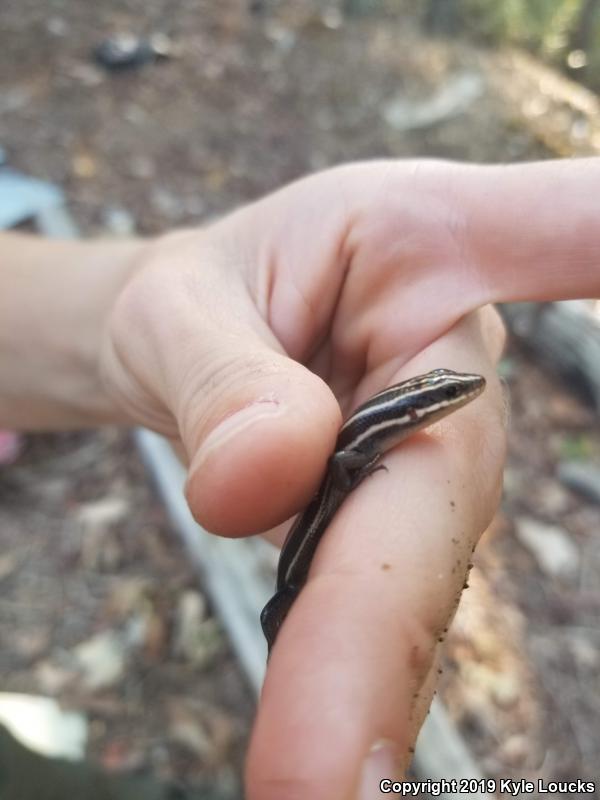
pixel 247 341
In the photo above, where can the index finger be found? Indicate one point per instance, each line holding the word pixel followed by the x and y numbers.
pixel 360 640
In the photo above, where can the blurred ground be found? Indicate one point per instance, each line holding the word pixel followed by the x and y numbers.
pixel 100 609
pixel 246 102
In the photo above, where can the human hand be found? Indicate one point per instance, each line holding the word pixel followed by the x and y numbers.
pixel 228 339
pixel 233 339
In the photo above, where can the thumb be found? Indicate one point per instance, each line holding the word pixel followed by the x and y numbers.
pixel 258 434
pixel 189 354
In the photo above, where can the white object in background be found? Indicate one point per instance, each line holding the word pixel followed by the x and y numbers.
pixel 22 197
pixel 41 725
pixel 455 97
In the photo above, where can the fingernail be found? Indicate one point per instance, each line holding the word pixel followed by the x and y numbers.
pixel 233 424
pixel 381 764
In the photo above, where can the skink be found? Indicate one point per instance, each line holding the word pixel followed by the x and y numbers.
pixel 374 428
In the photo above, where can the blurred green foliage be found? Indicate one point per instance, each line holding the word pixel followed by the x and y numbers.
pixel 540 24
pixel 577 446
pixel 564 32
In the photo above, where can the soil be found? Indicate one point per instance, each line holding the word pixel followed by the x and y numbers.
pixel 252 96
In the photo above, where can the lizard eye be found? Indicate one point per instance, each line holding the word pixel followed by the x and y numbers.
pixel 451 392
